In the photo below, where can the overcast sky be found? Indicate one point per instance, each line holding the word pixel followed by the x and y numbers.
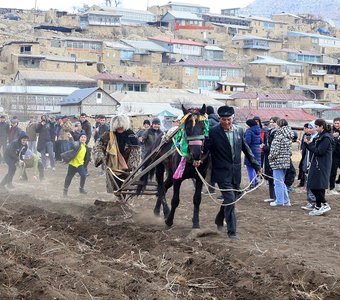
pixel 215 6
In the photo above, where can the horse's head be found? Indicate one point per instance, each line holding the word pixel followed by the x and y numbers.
pixel 195 130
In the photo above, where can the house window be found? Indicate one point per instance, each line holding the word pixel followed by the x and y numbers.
pixel 25 49
pixel 99 98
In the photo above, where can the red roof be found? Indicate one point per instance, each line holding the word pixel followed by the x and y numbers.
pixel 175 41
pixel 206 63
pixel 268 96
pixel 119 78
pixel 290 114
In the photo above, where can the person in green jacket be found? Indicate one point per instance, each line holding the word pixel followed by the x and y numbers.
pixel 32 160
pixel 76 158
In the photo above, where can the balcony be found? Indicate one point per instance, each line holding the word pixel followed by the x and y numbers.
pixel 276 75
pixel 318 72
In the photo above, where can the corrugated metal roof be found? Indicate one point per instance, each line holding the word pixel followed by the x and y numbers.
pixel 163 97
pixel 305 87
pixel 145 46
pixel 176 41
pixel 182 15
pixel 54 76
pixel 127 10
pixel 304 52
pixel 206 63
pixel 55 58
pixel 292 115
pixel 102 13
pixel 213 48
pixel 269 96
pixel 118 45
pixel 241 37
pixel 263 19
pixel 269 60
pixel 78 96
pixel 186 4
pixel 119 78
pixel 37 90
pixel 147 108
pixel 313 35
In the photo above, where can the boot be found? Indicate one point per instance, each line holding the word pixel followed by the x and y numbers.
pixel 65 193
pixel 82 191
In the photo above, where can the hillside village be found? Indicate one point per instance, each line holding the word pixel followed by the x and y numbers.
pixel 110 59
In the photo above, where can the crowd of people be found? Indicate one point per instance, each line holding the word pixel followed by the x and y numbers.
pixel 267 146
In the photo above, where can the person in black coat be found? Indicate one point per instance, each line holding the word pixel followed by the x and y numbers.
pixel 320 166
pixel 14 155
pixel 226 141
pixel 46 139
pixel 86 126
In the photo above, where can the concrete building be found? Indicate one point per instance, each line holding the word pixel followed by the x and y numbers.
pixel 196 9
pixel 202 74
pixel 185 48
pixel 131 16
pixel 252 46
pixel 26 100
pixel 294 55
pixel 121 82
pixel 61 79
pixel 269 100
pixel 313 42
pixel 275 73
pixel 92 101
pixel 268 28
pixel 100 22
pixel 178 20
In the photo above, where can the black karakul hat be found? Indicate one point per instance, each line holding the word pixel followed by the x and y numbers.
pixel 225 111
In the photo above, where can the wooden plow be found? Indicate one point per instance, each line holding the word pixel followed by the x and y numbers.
pixel 128 187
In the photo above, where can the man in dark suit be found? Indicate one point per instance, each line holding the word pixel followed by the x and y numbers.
pixel 226 141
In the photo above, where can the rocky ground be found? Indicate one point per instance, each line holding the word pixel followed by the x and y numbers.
pixel 97 247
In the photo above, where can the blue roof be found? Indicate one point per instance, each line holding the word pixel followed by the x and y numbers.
pixel 312 35
pixel 78 96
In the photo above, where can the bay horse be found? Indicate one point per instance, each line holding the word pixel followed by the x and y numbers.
pixel 193 130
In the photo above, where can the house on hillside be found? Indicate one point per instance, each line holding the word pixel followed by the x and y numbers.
pixel 269 100
pixel 226 20
pixel 287 18
pixel 10 51
pixel 185 48
pixel 55 63
pixel 266 27
pixel 294 55
pixel 121 82
pixel 131 16
pixel 272 72
pixel 202 74
pixel 196 9
pixel 146 52
pixel 211 52
pixel 60 79
pixel 78 48
pixel 92 101
pixel 178 20
pixel 255 45
pixel 100 22
pixel 313 42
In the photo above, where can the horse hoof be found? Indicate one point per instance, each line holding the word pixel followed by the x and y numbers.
pixel 168 223
pixel 196 226
pixel 157 213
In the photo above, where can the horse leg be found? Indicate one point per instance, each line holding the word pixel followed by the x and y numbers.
pixel 197 202
pixel 160 190
pixel 174 203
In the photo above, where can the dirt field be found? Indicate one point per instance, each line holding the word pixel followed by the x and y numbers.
pixel 80 248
